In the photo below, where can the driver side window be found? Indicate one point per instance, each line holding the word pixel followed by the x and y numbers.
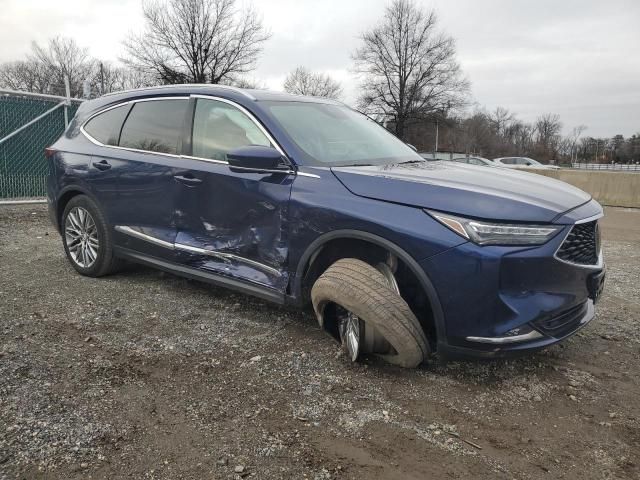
pixel 219 128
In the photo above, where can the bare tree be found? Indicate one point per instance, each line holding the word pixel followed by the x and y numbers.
pixel 548 128
pixel 46 67
pixel 302 81
pixel 245 82
pixel 409 69
pixel 196 41
pixel 63 57
pixel 108 78
pixel 500 120
pixel 25 75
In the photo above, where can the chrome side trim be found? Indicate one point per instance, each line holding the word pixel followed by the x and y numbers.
pixel 532 335
pixel 227 256
pixel 224 162
pixel 310 175
pixel 143 236
pixel 210 160
pixel 200 251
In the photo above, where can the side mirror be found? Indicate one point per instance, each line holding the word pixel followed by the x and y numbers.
pixel 254 158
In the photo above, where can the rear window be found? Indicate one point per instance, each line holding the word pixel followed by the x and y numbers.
pixel 106 126
pixel 155 126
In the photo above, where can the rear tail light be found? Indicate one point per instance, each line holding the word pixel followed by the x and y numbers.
pixel 49 152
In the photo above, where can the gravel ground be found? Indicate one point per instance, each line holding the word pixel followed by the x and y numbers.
pixel 146 375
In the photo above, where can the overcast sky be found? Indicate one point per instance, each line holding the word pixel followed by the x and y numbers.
pixel 579 59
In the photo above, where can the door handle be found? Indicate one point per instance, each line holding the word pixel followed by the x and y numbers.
pixel 102 165
pixel 188 180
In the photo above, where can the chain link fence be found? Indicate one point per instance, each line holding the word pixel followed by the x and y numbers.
pixel 28 124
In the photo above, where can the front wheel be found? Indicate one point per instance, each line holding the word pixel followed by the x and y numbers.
pixel 371 316
pixel 86 238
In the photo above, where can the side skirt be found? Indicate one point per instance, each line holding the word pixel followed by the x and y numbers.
pixel 218 280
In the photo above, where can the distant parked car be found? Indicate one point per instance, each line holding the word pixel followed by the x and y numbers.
pixel 522 162
pixel 480 161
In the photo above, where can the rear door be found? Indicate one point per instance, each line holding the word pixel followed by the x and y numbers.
pixel 231 223
pixel 133 175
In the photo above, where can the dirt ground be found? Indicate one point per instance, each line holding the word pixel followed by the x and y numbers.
pixel 146 375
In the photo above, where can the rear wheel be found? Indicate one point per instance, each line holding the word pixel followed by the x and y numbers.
pixel 371 315
pixel 86 238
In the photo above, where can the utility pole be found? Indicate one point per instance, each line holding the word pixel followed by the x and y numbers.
pixel 101 79
pixel 67 92
pixel 436 134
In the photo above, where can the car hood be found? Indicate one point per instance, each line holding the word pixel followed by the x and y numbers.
pixel 466 190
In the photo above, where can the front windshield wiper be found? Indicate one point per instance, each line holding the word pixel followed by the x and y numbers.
pixel 413 161
pixel 355 165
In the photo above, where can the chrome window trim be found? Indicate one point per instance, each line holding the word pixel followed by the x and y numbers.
pixel 183 85
pixel 265 132
pixel 129 149
pixel 251 117
pixel 200 251
pixel 224 162
pixel 597 266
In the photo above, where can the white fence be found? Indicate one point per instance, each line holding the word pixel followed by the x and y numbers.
pixel 623 167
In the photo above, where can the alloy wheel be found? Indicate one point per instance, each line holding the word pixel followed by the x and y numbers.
pixel 351 329
pixel 81 237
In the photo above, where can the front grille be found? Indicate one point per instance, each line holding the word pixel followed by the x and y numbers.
pixel 562 324
pixel 582 245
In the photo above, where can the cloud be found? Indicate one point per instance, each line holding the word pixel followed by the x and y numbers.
pixel 574 58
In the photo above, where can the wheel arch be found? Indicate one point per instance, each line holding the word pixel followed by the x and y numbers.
pixel 65 196
pixel 314 250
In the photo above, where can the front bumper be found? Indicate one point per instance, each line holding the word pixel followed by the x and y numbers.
pixel 504 301
pixel 516 349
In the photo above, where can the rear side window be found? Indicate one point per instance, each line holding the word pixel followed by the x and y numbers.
pixel 155 126
pixel 106 126
pixel 219 127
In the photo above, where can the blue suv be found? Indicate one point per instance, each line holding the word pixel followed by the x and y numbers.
pixel 301 200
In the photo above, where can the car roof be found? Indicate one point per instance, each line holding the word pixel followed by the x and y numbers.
pixel 222 90
pixel 241 96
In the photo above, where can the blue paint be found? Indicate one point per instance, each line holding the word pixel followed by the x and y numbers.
pixel 269 223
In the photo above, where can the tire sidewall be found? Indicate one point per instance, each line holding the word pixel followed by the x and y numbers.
pixel 104 245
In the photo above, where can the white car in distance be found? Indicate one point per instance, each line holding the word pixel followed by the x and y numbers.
pixel 522 162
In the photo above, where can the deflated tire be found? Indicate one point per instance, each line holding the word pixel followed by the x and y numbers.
pixel 359 288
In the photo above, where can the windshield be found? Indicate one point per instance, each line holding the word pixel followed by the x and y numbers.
pixel 531 161
pixel 335 135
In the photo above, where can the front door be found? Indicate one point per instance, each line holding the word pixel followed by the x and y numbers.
pixel 232 224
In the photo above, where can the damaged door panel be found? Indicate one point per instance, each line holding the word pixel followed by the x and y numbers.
pixel 231 223
pixel 235 224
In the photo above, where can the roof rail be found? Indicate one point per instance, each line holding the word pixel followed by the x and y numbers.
pixel 176 85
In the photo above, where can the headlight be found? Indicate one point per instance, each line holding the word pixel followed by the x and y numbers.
pixel 485 233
